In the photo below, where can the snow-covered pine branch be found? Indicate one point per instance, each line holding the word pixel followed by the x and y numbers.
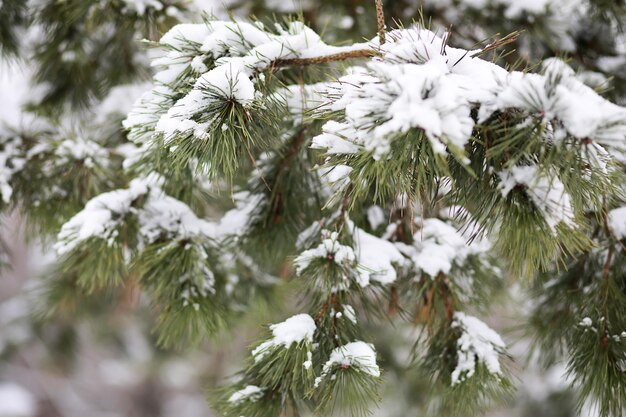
pixel 397 179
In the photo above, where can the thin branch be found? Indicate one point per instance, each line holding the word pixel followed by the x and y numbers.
pixel 345 204
pixel 357 53
pixel 498 43
pixel 380 21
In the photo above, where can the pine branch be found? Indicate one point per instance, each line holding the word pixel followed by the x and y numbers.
pixel 358 53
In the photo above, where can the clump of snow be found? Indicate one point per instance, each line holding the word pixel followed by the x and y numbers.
pixel 249 393
pixel 418 83
pixel 141 6
pixel 547 193
pixel 335 178
pixel 403 96
pixel 146 111
pixel 438 247
pixel 478 344
pixel 295 329
pixel 376 257
pixel 617 222
pixel 166 215
pixel 337 138
pixel 180 35
pixel 235 222
pixel 329 249
pixel 375 217
pixel 85 150
pixel 558 94
pixel 359 355
pixel 415 45
pixel 421 83
pixel 308 363
pixel 100 217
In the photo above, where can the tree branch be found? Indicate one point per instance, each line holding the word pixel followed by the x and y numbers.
pixel 292 62
pixel 380 21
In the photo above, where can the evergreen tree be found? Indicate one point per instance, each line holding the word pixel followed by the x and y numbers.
pixel 410 179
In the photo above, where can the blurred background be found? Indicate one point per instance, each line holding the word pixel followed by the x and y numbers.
pixel 102 361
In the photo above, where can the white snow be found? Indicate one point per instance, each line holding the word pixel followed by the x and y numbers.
pixel 235 222
pixel 249 393
pixel 159 215
pixel 403 96
pixel 375 217
pixel 100 217
pixel 357 354
pixel 308 363
pixel 119 101
pixel 302 98
pixel 547 193
pixel 558 94
pixel 11 161
pixel 376 257
pixel 617 222
pixel 438 247
pixel 295 329
pixel 337 138
pixel 421 83
pixel 141 6
pixel 335 177
pixel 165 215
pixel 478 344
pixel 329 249
pixel 349 312
pixel 85 150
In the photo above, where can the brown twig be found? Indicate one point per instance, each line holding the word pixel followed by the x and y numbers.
pixel 380 21
pixel 394 302
pixel 294 62
pixel 345 205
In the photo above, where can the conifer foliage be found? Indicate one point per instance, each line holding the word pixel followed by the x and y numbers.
pixel 400 179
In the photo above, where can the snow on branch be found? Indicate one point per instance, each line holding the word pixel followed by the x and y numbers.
pixel 222 61
pixel 546 191
pixel 478 345
pixel 158 215
pixel 294 330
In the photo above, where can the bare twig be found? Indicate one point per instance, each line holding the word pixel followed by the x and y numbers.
pixel 345 204
pixel 357 53
pixel 380 21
